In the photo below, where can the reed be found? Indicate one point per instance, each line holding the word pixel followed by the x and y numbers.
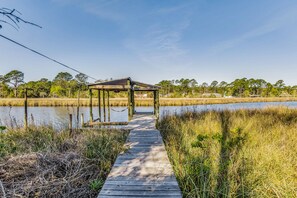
pixel 242 153
pixel 42 162
pixel 139 102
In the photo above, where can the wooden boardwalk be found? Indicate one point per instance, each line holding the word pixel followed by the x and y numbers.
pixel 144 170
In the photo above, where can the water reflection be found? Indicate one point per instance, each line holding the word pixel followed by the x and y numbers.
pixel 59 116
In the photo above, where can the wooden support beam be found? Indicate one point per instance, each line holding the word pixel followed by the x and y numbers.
pixel 107 123
pixel 154 93
pixel 99 105
pixel 104 109
pixel 109 87
pixel 130 108
pixel 26 109
pixel 95 120
pixel 91 105
pixel 77 109
pixel 144 89
pixel 133 102
pixel 156 103
pixel 108 106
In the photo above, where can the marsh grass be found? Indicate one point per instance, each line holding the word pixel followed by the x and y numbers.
pixel 242 153
pixel 138 101
pixel 43 162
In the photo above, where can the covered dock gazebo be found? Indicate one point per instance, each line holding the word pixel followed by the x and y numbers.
pixel 125 84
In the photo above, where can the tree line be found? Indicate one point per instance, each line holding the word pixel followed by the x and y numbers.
pixel 66 85
pixel 242 87
pixel 63 85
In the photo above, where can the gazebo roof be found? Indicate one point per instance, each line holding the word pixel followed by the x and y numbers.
pixel 123 85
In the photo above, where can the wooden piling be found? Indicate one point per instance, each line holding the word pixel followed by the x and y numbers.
pixel 108 106
pixel 26 109
pixel 77 109
pixel 99 105
pixel 130 109
pixel 104 109
pixel 32 119
pixel 154 93
pixel 156 103
pixel 91 104
pixel 133 102
pixel 82 120
pixel 70 125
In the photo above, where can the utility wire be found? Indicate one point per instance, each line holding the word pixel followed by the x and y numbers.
pixel 36 52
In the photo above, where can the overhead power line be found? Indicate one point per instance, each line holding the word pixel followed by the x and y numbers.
pixel 36 52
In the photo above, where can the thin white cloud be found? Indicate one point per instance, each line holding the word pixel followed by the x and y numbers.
pixel 161 45
pixel 169 10
pixel 107 9
pixel 269 27
pixel 156 42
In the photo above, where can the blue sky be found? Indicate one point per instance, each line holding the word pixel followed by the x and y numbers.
pixel 151 40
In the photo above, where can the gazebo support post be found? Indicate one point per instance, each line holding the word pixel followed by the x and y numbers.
pixel 133 102
pixel 91 105
pixel 156 103
pixel 104 109
pixel 99 104
pixel 130 105
pixel 108 106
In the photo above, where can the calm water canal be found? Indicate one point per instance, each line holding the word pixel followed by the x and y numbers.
pixel 58 116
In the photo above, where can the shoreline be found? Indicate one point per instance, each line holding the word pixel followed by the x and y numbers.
pixel 56 102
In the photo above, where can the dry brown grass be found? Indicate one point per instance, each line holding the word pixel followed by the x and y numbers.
pixel 139 102
pixel 42 162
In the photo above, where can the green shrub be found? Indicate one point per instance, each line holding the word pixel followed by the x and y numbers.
pixel 2 128
pixel 96 184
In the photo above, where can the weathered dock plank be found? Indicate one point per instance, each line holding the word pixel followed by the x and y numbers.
pixel 144 169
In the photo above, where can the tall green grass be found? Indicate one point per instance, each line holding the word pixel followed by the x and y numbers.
pixel 242 153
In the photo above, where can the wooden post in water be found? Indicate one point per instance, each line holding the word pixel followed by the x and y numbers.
pixel 70 125
pixel 130 108
pixel 91 105
pixel 156 103
pixel 108 106
pixel 154 92
pixel 99 104
pixel 133 102
pixel 26 109
pixel 104 109
pixel 82 120
pixel 32 119
pixel 77 109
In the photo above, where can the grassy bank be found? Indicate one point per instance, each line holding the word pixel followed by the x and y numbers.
pixel 42 162
pixel 139 102
pixel 243 153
